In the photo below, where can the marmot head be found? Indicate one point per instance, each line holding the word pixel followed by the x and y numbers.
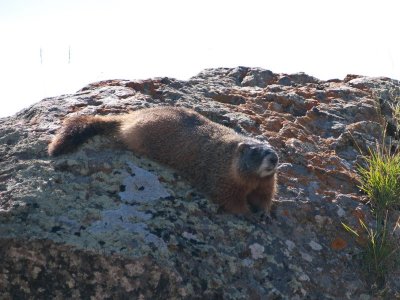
pixel 257 159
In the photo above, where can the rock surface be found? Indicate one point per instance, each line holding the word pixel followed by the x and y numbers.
pixel 102 223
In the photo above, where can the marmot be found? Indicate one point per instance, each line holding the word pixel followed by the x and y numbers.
pixel 235 171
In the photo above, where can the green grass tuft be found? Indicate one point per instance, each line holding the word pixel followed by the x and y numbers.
pixel 379 254
pixel 380 180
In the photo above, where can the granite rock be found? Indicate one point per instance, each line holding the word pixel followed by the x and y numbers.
pixel 103 223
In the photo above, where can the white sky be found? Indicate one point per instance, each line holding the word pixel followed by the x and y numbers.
pixel 178 38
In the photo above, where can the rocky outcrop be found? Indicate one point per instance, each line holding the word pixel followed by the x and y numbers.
pixel 102 223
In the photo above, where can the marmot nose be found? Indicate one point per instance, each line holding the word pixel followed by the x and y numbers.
pixel 273 159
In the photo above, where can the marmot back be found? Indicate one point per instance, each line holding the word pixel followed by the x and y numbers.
pixel 235 171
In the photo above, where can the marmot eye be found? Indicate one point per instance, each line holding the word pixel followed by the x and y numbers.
pixel 254 153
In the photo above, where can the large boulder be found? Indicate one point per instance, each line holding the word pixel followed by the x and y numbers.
pixel 103 223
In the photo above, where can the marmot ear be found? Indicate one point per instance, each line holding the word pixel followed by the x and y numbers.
pixel 242 146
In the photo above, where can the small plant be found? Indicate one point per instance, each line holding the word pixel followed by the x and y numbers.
pixel 379 254
pixel 380 179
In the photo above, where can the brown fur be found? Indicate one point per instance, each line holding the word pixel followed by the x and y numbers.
pixel 206 153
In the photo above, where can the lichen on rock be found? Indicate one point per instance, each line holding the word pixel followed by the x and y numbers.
pixel 107 223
